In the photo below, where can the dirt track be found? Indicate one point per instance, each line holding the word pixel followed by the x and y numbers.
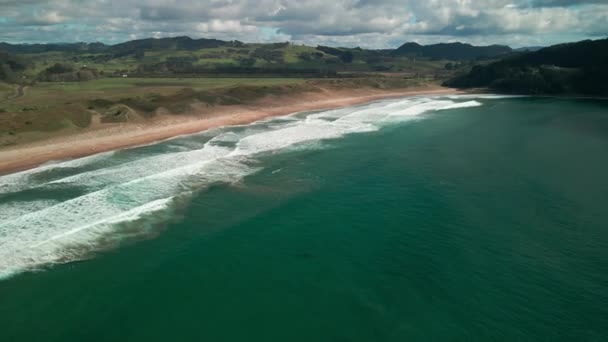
pixel 20 93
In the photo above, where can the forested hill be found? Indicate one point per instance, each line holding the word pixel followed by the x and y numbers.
pixel 572 68
pixel 187 57
pixel 147 44
pixel 452 51
pixel 10 66
pixel 446 51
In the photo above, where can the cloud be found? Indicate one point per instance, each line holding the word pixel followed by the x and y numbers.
pixel 565 3
pixel 233 26
pixel 45 18
pixel 366 23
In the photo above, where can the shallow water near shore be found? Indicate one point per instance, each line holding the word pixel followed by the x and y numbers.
pixel 425 218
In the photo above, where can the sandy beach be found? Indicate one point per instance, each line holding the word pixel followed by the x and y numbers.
pixel 101 138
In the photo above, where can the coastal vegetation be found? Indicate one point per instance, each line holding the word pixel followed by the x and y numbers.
pixel 573 68
pixel 12 66
pixel 56 87
pixel 51 108
pixel 51 88
pixel 186 57
pixel 47 88
pixel 453 51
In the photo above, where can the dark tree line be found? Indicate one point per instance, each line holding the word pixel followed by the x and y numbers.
pixel 62 72
pixel 11 66
pixel 452 51
pixel 344 55
pixel 566 68
pixel 189 69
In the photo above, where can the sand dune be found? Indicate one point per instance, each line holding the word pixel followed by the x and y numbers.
pixel 101 138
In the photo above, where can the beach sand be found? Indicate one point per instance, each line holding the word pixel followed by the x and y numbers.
pixel 106 137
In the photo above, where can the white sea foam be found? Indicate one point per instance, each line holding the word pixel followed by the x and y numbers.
pixel 27 179
pixel 145 167
pixel 483 96
pixel 54 233
pixel 67 245
pixel 12 209
pixel 467 104
pixel 36 232
pixel 418 108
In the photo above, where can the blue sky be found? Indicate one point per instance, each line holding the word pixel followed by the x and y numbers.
pixel 365 23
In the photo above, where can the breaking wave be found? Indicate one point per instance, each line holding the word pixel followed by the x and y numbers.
pixel 64 211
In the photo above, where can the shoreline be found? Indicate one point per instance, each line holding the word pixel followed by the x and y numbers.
pixel 127 135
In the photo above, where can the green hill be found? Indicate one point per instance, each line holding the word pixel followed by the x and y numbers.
pixel 184 56
pixel 573 68
pixel 187 57
pixel 452 51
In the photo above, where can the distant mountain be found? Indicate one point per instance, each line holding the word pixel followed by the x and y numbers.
pixel 174 43
pixel 62 47
pixel 452 51
pixel 577 68
pixel 528 48
pixel 148 44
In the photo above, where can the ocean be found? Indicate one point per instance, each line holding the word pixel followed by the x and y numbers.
pixel 442 218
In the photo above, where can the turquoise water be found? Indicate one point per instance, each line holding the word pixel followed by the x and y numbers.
pixel 443 218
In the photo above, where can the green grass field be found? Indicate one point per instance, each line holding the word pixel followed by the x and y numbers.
pixel 52 106
pixel 6 91
pixel 233 56
pixel 118 86
pixel 53 94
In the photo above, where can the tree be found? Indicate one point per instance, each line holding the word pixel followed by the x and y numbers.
pixel 346 57
pixel 246 61
pixel 139 54
pixel 60 68
pixel 11 66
